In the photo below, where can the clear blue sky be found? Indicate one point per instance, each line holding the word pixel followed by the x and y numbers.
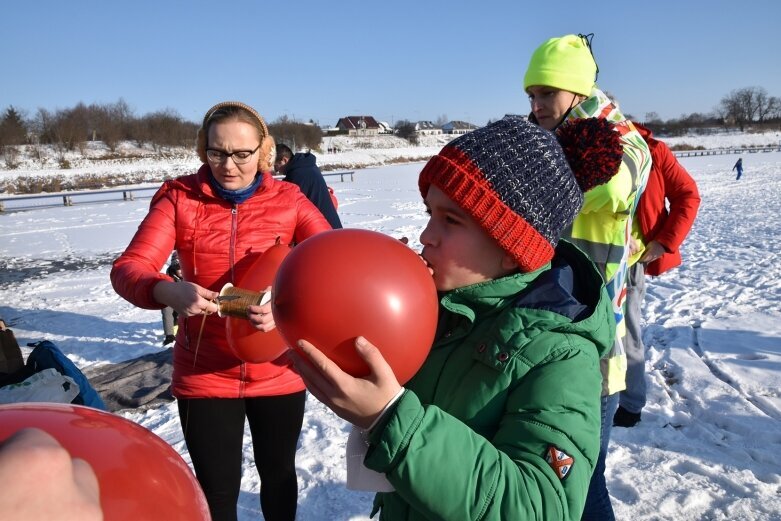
pixel 390 59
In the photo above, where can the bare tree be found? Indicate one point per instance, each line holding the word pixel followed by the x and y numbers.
pixel 111 123
pixel 295 134
pixel 165 128
pixel 743 106
pixel 406 129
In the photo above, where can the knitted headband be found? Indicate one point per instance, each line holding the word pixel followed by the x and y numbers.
pixel 512 177
pixel 266 160
pixel 564 63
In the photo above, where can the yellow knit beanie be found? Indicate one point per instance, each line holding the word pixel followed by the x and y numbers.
pixel 564 63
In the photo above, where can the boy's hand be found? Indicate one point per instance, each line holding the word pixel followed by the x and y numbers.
pixel 42 481
pixel 357 400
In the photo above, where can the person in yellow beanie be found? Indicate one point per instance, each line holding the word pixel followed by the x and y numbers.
pixel 560 81
pixel 561 75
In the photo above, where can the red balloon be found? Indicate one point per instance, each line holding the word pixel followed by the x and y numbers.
pixel 341 284
pixel 140 475
pixel 246 342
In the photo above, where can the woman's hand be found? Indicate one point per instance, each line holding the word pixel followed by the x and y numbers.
pixel 187 298
pixel 357 400
pixel 653 250
pixel 260 316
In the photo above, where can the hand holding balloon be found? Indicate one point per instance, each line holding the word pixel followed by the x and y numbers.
pixel 42 481
pixel 260 316
pixel 255 338
pixel 139 475
pixel 358 400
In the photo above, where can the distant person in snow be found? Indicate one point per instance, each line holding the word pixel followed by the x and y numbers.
pixel 41 480
pixel 739 167
pixel 657 234
pixel 502 420
pixel 560 82
pixel 301 169
pixel 170 315
pixel 219 220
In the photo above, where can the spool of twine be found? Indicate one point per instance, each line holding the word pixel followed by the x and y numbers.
pixel 239 300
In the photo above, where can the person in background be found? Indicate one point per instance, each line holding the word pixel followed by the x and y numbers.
pixel 220 220
pixel 301 169
pixel 560 82
pixel 739 167
pixel 170 315
pixel 657 236
pixel 42 481
pixel 512 383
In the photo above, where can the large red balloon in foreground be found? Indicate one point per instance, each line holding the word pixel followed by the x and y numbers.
pixel 246 342
pixel 140 475
pixel 345 283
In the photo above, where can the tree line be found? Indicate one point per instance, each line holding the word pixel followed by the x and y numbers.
pixel 71 128
pixel 111 123
pixel 741 108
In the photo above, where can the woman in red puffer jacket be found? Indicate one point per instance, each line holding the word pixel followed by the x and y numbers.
pixel 219 220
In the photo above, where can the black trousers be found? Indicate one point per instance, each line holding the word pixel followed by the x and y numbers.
pixel 214 431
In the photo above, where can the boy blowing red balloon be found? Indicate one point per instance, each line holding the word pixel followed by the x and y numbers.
pixel 502 420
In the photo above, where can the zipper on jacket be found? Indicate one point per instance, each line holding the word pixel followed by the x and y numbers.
pixel 232 248
pixel 242 379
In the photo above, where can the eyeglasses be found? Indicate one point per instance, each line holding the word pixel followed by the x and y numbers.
pixel 239 157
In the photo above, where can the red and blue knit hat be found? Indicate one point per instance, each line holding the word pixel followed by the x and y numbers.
pixel 512 177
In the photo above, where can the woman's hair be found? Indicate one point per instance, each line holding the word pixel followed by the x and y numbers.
pixel 235 110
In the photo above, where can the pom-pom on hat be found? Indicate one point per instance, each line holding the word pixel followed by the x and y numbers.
pixel 512 177
pixel 565 63
pixel 593 149
pixel 267 148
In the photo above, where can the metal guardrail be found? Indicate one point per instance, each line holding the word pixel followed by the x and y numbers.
pixel 326 174
pixel 128 194
pixel 721 151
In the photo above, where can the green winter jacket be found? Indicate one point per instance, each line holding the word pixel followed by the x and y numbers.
pixel 510 378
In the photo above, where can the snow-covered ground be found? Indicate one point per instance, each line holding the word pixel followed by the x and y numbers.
pixel 709 445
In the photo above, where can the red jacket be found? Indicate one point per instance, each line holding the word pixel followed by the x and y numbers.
pixel 667 180
pixel 216 242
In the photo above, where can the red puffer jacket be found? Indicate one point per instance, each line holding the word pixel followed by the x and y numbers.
pixel 216 241
pixel 667 180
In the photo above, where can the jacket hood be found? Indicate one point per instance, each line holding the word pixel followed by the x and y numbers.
pixel 301 160
pixel 582 297
pixel 644 131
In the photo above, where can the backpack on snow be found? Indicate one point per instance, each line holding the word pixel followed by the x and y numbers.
pixel 46 355
pixel 11 359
